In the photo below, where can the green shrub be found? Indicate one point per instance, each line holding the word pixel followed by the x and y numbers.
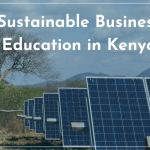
pixel 12 97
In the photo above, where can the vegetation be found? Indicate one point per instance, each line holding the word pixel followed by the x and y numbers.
pixel 12 98
pixel 76 82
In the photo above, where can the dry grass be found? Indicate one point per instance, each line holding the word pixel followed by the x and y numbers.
pixel 18 135
pixel 15 134
pixel 27 139
pixel 11 124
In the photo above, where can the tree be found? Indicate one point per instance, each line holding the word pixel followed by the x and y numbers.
pixel 30 62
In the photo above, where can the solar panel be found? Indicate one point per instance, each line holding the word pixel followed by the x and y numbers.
pixel 25 112
pixel 119 112
pixel 38 112
pixel 51 111
pixel 30 113
pixel 73 109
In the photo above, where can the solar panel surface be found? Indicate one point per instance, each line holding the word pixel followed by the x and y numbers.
pixel 51 111
pixel 119 112
pixel 30 113
pixel 73 109
pixel 26 123
pixel 38 112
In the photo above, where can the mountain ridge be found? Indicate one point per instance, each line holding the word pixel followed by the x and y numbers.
pixel 145 73
pixel 82 76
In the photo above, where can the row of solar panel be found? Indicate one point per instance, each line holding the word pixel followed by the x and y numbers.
pixel 110 112
pixel 37 111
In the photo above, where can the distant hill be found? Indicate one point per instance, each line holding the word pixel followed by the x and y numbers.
pixel 145 73
pixel 37 84
pixel 83 75
pixel 40 84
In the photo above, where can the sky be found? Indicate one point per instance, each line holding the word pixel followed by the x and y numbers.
pixel 69 63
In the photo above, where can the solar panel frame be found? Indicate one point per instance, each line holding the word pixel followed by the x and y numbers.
pixel 147 89
pixel 148 101
pixel 44 116
pixel 72 146
pixel 31 122
pixel 38 112
pixel 25 112
pixel 89 121
pixel 60 127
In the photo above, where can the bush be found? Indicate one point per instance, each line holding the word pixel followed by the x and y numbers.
pixel 12 98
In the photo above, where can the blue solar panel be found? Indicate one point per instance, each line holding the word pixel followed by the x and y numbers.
pixel 38 112
pixel 51 111
pixel 30 113
pixel 119 112
pixel 73 109
pixel 26 122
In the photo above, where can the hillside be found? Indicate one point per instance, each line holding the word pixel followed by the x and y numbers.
pixel 145 73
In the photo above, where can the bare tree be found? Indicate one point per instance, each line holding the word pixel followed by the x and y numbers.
pixel 30 62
